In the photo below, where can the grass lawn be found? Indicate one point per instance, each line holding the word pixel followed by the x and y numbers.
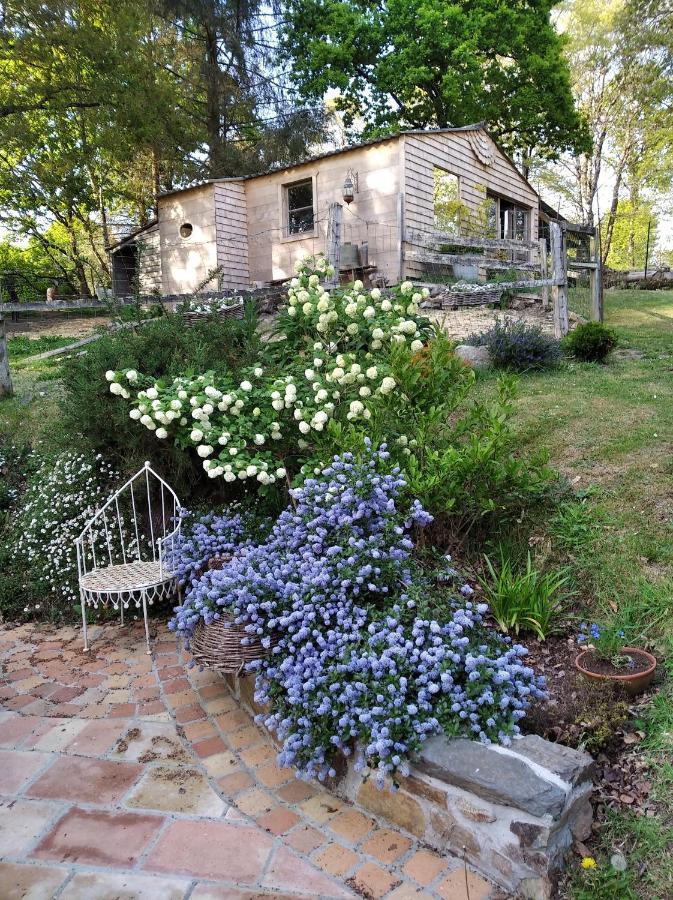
pixel 610 430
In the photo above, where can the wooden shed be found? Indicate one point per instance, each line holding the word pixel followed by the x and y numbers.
pixel 234 233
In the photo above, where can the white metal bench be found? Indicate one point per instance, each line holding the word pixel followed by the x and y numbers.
pixel 125 552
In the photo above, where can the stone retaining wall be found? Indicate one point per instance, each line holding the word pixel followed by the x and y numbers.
pixel 513 812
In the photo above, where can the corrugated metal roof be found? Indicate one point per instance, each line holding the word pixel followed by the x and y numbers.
pixel 312 159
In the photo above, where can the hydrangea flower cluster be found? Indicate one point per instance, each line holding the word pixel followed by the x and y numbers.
pixel 354 318
pixel 245 427
pixel 350 662
pixel 62 494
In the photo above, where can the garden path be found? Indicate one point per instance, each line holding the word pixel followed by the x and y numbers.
pixel 128 776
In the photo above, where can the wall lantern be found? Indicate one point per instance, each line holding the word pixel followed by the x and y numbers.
pixel 350 188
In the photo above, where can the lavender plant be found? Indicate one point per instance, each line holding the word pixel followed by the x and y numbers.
pixel 353 663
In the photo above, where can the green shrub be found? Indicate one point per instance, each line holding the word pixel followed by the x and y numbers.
pixel 162 347
pixel 590 342
pixel 523 600
pixel 515 345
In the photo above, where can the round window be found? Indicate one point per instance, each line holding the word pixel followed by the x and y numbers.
pixel 186 230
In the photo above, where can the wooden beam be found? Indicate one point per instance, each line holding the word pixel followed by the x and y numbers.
pixel 544 272
pixel 559 279
pixel 42 306
pixel 596 280
pixel 414 236
pixel 483 262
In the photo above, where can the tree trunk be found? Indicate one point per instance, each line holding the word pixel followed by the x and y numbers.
pixel 6 388
pixel 216 163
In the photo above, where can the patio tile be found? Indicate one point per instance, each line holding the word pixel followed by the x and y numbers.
pixel 189 713
pixel 278 821
pixel 118 886
pixel 255 802
pixel 199 731
pixel 221 764
pixel 289 872
pixel 176 790
pixel 211 850
pixel 17 767
pixel 204 891
pixel 13 730
pixel 96 738
pixel 235 783
pixel 374 882
pixel 297 791
pixel 26 882
pixel 209 747
pixel 351 825
pixel 336 859
pixel 386 845
pixel 57 737
pixel 453 886
pixel 305 839
pixel 151 742
pixel 424 866
pixel 96 781
pixel 98 837
pixel 21 821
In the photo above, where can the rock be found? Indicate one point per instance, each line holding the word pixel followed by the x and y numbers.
pixel 476 813
pixel 572 766
pixel 530 835
pixel 476 357
pixel 492 775
pixel 618 862
pixel 453 835
pixel 397 807
pixel 422 789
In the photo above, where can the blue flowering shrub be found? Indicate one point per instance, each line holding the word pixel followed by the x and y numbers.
pixel 359 660
pixel 516 345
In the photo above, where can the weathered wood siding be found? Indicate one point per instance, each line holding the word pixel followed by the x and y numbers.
pixel 149 260
pixel 453 151
pixel 371 217
pixel 231 230
pixel 187 262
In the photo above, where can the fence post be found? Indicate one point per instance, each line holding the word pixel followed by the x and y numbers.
pixel 596 280
pixel 559 269
pixel 544 272
pixel 334 214
pixel 6 389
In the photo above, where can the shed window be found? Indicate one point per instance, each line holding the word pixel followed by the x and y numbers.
pixel 186 230
pixel 446 200
pixel 514 221
pixel 299 203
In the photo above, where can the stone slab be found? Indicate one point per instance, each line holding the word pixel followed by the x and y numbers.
pixel 492 775
pixel 571 765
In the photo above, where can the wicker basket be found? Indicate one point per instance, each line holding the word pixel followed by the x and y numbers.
pixel 225 312
pixel 220 645
pixel 480 297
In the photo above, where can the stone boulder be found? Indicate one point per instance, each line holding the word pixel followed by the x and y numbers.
pixel 476 357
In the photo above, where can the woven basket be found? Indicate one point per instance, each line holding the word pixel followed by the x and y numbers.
pixel 473 298
pixel 220 645
pixel 226 312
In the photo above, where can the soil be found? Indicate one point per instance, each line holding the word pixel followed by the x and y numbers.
pixel 57 324
pixel 633 664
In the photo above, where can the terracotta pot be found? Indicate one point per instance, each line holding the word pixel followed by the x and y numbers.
pixel 634 683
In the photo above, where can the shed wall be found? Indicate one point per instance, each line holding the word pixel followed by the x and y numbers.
pixel 371 217
pixel 231 229
pixel 187 262
pixel 453 151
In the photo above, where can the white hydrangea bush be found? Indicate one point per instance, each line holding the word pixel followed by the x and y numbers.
pixel 62 494
pixel 244 427
pixel 353 318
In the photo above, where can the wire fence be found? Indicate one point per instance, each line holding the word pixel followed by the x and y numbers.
pixel 579 293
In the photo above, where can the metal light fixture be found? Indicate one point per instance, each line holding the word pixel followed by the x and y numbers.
pixel 350 187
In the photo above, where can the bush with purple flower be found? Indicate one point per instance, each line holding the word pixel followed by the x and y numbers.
pixel 355 664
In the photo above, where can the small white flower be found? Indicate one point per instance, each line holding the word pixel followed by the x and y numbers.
pixel 416 346
pixel 204 450
pixel 357 285
pixel 152 393
pixel 258 372
pixel 196 435
pixel 369 312
pixel 110 375
pixel 161 433
pixel 135 414
pixel 132 375
pixel 304 427
pixel 406 287
pixel 280 473
pixel 115 388
pixel 387 385
pixel 246 386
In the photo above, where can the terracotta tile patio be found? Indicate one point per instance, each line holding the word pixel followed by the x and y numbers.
pixel 128 776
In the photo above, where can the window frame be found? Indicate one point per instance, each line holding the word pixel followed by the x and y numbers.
pixel 459 200
pixel 284 205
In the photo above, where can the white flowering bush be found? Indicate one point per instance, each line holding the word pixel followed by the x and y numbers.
pixel 351 319
pixel 210 305
pixel 62 494
pixel 245 426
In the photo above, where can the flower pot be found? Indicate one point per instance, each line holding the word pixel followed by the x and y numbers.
pixel 632 682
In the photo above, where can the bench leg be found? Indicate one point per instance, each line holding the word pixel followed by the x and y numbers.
pixel 86 641
pixel 121 607
pixel 147 626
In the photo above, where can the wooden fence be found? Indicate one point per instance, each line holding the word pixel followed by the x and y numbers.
pixel 531 264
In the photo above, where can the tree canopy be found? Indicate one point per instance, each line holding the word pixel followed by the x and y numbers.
pixel 416 63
